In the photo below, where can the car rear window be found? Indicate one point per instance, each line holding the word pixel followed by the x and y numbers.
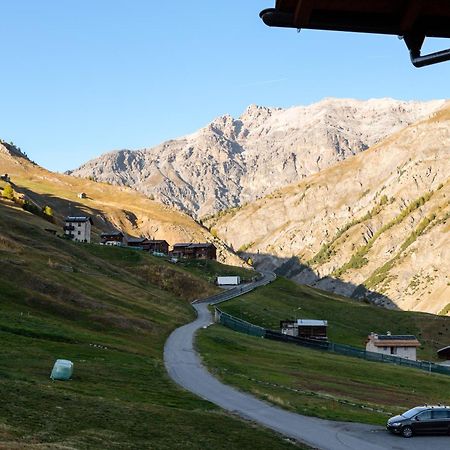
pixel 441 414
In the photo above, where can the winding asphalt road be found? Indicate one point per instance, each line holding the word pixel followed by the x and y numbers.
pixel 185 367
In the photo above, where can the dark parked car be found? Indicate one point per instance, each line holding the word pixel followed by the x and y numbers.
pixel 421 419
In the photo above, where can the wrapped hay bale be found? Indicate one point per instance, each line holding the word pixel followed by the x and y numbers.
pixel 62 370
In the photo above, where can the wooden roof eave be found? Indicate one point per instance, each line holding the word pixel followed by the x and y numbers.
pixel 371 16
pixel 387 343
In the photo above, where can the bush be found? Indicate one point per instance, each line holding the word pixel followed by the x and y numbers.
pixel 8 192
pixel 47 210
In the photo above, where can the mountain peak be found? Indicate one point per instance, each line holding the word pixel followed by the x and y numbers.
pixel 233 161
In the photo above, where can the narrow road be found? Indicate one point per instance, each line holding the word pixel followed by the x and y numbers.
pixel 185 367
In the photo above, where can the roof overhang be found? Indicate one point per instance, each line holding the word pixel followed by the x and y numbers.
pixel 396 343
pixel 312 323
pixel 414 20
pixel 444 353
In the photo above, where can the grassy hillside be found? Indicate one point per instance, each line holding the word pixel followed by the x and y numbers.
pixel 111 207
pixel 349 321
pixel 315 383
pixel 109 310
pixel 212 269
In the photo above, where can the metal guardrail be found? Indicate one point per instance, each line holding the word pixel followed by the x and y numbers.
pixel 267 278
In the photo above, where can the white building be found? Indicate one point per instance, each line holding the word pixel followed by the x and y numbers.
pixel 78 228
pixel 228 280
pixel 403 346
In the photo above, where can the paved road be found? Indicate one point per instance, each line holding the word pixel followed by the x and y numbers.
pixel 185 368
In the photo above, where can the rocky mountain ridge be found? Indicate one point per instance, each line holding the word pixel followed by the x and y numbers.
pixel 234 161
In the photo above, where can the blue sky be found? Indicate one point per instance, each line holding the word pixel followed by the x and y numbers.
pixel 79 78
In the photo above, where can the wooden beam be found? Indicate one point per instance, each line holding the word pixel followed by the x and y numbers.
pixel 303 13
pixel 410 15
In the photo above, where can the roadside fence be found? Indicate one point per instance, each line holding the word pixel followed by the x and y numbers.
pixel 238 325
pixel 347 350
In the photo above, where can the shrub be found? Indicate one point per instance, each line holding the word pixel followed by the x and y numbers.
pixel 245 247
pixel 8 192
pixel 47 210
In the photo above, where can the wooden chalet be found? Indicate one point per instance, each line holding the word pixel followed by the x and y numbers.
pixel 305 328
pixel 159 246
pixel 444 353
pixel 195 250
pixel 149 245
pixel 113 238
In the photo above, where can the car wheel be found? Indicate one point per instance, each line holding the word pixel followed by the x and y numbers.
pixel 407 432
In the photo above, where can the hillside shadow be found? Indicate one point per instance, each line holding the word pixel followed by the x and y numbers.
pixel 291 267
pixel 301 273
pixel 63 207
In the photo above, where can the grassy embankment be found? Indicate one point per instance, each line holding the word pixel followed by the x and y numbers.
pixel 317 383
pixel 210 270
pixel 349 321
pixel 109 310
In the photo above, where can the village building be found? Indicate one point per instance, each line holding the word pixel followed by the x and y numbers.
pixel 113 238
pixel 150 245
pixel 138 243
pixel 82 195
pixel 403 346
pixel 195 251
pixel 159 246
pixel 444 354
pixel 78 228
pixel 305 328
pixel 5 178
